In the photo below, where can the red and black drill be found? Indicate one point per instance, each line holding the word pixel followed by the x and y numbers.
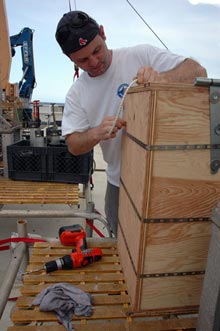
pixel 74 260
pixel 81 256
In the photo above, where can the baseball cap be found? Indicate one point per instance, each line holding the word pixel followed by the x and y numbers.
pixel 75 30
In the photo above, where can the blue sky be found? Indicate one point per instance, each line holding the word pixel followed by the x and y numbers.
pixel 191 28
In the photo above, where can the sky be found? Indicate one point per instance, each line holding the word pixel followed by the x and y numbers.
pixel 187 27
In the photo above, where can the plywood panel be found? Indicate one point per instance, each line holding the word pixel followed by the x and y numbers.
pixel 182 182
pixel 128 270
pixel 138 115
pixel 129 221
pixel 176 247
pixel 180 198
pixel 185 164
pixel 182 117
pixel 133 168
pixel 177 113
pixel 171 292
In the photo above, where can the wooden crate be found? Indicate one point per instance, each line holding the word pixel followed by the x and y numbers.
pixel 166 196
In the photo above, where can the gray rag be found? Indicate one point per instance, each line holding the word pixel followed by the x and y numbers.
pixel 65 300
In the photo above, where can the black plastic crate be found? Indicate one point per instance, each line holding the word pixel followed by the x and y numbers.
pixel 26 162
pixel 67 168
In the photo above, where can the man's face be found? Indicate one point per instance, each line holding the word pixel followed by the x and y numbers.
pixel 94 58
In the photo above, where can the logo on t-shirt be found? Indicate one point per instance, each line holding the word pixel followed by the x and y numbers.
pixel 121 89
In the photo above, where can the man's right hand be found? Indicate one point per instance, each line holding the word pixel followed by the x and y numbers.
pixel 106 126
pixel 83 142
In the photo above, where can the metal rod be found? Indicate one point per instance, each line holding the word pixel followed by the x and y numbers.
pixel 23 233
pixel 88 194
pixel 52 214
pixel 45 213
pixel 10 276
pixel 90 209
pixel 203 81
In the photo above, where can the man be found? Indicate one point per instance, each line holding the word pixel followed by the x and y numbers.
pixel 93 100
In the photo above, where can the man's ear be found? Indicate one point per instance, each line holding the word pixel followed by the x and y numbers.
pixel 102 32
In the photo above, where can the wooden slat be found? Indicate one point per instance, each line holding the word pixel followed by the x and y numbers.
pixel 89 287
pixel 27 192
pixel 111 243
pixel 28 316
pixel 187 324
pixel 99 300
pixel 48 251
pixel 78 277
pixel 43 259
pixel 97 267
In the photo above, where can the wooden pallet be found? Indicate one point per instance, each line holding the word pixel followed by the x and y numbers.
pixel 28 192
pixel 104 280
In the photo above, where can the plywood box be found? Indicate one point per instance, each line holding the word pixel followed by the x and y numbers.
pixel 166 196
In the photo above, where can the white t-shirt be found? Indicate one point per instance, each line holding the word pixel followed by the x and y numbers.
pixel 91 99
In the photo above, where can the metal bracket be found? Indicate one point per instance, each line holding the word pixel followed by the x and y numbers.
pixel 214 85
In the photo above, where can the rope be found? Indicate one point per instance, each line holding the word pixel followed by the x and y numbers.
pixel 121 105
pixel 146 24
pixel 88 222
pixel 70 6
pixel 16 240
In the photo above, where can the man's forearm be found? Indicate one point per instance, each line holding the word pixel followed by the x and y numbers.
pixel 82 142
pixel 186 72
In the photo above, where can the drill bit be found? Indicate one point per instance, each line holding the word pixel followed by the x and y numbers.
pixel 32 271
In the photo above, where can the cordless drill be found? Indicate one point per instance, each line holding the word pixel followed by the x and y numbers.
pixel 74 260
pixel 73 235
pixel 81 256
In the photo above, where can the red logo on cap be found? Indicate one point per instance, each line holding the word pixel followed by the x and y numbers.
pixel 82 41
